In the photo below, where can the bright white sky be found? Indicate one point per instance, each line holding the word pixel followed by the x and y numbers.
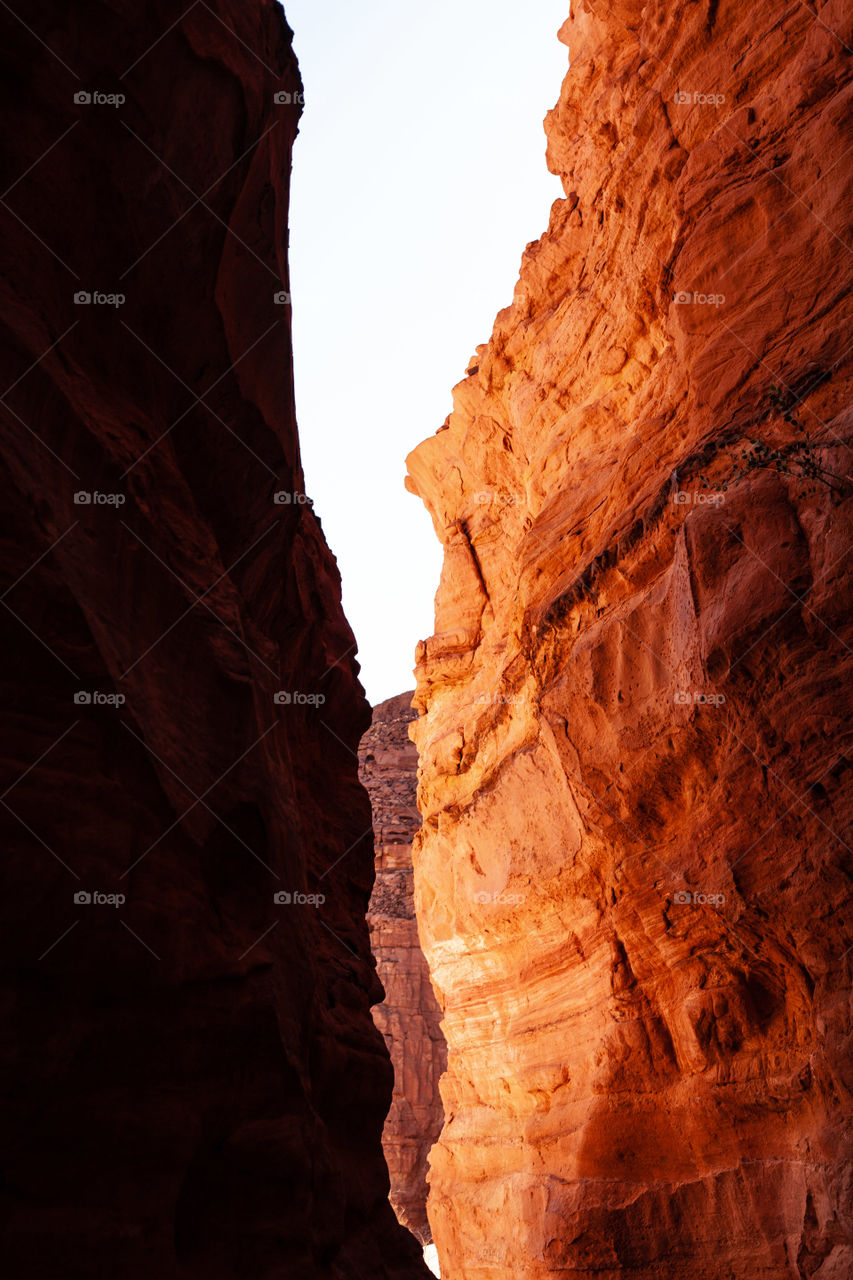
pixel 419 177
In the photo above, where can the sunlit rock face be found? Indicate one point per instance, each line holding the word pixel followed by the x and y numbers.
pixel 409 1015
pixel 632 879
pixel 193 1082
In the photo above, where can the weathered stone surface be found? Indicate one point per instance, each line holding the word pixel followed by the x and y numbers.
pixel 409 1016
pixel 633 877
pixel 193 1082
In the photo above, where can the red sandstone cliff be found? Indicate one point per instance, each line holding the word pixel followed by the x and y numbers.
pixel 194 1083
pixel 409 1016
pixel 633 877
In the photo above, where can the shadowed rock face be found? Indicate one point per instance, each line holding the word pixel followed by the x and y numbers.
pixel 195 1084
pixel 633 877
pixel 409 1016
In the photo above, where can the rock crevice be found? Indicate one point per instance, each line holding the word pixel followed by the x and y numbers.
pixel 409 1017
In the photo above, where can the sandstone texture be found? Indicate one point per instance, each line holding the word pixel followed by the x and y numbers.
pixel 193 1084
pixel 409 1016
pixel 633 877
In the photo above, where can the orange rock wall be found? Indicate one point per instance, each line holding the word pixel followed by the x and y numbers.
pixel 633 876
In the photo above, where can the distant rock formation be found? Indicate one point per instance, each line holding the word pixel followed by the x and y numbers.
pixel 633 878
pixel 192 1082
pixel 409 1016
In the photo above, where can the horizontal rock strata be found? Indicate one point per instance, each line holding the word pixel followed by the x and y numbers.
pixel 633 877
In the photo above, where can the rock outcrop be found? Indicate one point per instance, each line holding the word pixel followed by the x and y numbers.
pixel 633 877
pixel 193 1081
pixel 409 1016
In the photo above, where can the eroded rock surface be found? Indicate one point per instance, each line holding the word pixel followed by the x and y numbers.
pixel 409 1016
pixel 633 878
pixel 193 1081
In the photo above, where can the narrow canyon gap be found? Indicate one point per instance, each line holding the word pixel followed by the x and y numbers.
pixel 193 1082
pixel 633 875
pixel 409 1016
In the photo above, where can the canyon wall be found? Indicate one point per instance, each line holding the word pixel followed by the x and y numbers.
pixel 193 1082
pixel 409 1016
pixel 633 876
